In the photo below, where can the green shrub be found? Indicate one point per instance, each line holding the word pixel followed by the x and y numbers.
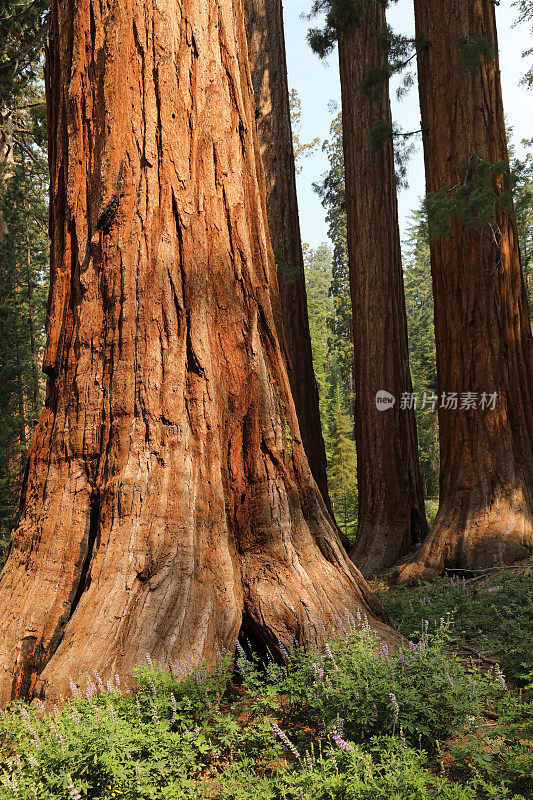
pixel 497 621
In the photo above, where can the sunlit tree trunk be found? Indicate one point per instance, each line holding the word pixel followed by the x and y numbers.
pixel 483 334
pixel 167 502
pixel 266 44
pixel 391 497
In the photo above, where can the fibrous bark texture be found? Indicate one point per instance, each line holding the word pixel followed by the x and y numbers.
pixel 167 495
pixel 482 329
pixel 391 498
pixel 266 46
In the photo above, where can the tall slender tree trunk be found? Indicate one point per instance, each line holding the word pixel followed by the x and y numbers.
pixel 6 153
pixel 391 498
pixel 31 328
pixel 266 46
pixel 483 334
pixel 168 501
pixel 21 410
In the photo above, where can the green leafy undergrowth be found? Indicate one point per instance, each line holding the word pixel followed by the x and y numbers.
pixel 350 720
pixel 495 618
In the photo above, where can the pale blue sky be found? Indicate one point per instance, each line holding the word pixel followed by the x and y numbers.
pixel 318 83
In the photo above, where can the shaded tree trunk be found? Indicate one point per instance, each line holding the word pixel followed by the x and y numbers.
pixel 167 500
pixel 21 410
pixel 483 335
pixel 391 498
pixel 6 153
pixel 266 46
pixel 31 328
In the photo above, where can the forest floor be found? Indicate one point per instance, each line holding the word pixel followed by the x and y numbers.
pixel 450 716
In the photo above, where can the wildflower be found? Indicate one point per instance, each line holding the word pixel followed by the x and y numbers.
pixel 73 688
pixel 336 735
pixel 196 732
pixel 285 739
pixel 402 739
pixel 149 661
pixel 57 734
pixel 309 760
pixel 329 653
pixel 499 677
pixel 174 706
pixel 73 792
pixel 240 650
pixel 117 679
pixel 395 706
pixel 284 652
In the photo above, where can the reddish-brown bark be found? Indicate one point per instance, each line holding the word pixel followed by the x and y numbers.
pixel 391 498
pixel 266 46
pixel 482 328
pixel 167 495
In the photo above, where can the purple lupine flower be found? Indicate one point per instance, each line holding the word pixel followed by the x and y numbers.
pixel 499 677
pixel 98 679
pixel 285 739
pixel 336 735
pixel 117 679
pixel 309 760
pixel 449 680
pixel 284 652
pixel 73 688
pixel 57 734
pixel 74 794
pixel 402 739
pixel 149 661
pixel 174 706
pixel 240 649
pixel 333 759
pixel 395 706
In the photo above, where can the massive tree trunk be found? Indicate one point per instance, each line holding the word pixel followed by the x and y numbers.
pixel 391 498
pixel 266 45
pixel 167 500
pixel 482 329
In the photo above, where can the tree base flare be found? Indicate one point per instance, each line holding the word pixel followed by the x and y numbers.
pixel 499 534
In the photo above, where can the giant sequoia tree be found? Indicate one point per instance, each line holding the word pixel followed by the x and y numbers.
pixel 266 45
pixel 167 500
pixel 483 336
pixel 391 498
